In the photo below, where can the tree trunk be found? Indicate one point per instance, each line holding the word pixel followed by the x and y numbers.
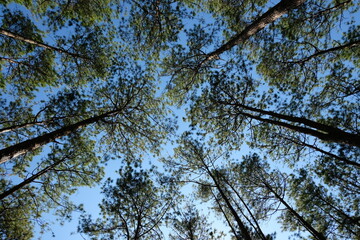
pixel 270 16
pixel 352 44
pixel 303 222
pixel 226 218
pixel 39 44
pixel 257 228
pixel 343 159
pixel 324 132
pixel 30 179
pixel 242 227
pixel 32 144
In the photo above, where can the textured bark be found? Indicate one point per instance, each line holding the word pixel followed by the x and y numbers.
pixel 29 145
pixel 39 44
pixel 270 16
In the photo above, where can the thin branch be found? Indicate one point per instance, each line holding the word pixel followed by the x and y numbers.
pixel 39 44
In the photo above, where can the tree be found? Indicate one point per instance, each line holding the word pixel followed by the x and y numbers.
pixel 181 65
pixel 14 222
pixel 324 209
pixel 64 169
pixel 279 79
pixel 190 225
pixel 32 144
pixel 253 172
pixel 133 208
pixel 84 79
pixel 198 163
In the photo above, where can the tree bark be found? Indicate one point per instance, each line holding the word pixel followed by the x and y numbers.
pixel 29 145
pixel 39 44
pixel 319 130
pixel 30 179
pixel 270 16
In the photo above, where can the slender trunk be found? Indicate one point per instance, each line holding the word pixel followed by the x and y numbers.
pixel 30 179
pixel 302 221
pixel 342 159
pixel 241 225
pixel 324 132
pixel 30 124
pixel 226 218
pixel 19 126
pixel 241 211
pixel 331 136
pixel 321 52
pixel 306 122
pixel 269 17
pixel 138 228
pixel 39 44
pixel 32 144
pixel 258 229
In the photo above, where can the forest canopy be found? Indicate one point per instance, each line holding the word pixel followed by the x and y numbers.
pixel 248 107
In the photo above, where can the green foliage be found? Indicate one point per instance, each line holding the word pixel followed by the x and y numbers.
pixel 65 62
pixel 189 224
pixel 15 223
pixel 323 208
pixel 133 207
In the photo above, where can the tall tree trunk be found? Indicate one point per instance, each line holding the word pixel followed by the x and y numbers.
pixel 31 179
pixel 319 130
pixel 302 221
pixel 39 44
pixel 30 124
pixel 32 144
pixel 226 218
pixel 241 225
pixel 342 159
pixel 258 229
pixel 270 16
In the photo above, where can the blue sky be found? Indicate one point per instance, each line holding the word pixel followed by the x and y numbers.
pixel 90 197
